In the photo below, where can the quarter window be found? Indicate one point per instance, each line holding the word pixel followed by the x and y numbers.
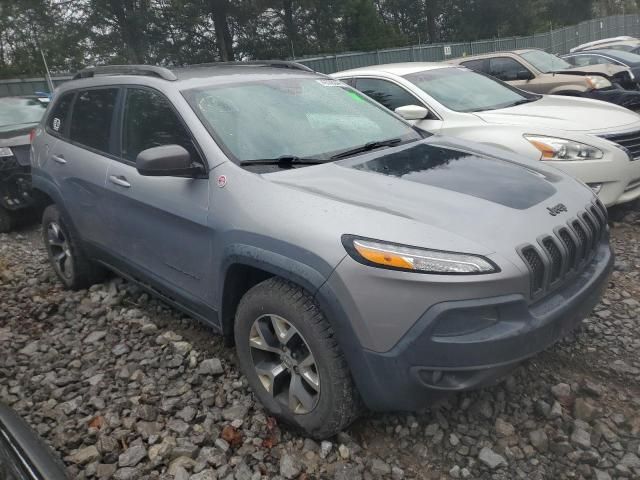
pixel 475 65
pixel 92 117
pixel 149 121
pixel 57 121
pixel 386 93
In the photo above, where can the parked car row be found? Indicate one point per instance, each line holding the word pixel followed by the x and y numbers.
pixel 353 258
pixel 595 142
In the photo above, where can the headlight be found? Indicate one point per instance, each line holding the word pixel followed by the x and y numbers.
pixel 597 82
pixel 399 257
pixel 5 152
pixel 562 149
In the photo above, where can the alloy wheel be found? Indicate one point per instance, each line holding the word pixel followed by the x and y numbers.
pixel 60 251
pixel 284 363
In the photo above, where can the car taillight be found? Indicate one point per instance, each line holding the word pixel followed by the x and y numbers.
pixel 32 135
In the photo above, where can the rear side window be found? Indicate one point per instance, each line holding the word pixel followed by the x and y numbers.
pixel 92 118
pixel 386 93
pixel 150 121
pixel 476 65
pixel 57 121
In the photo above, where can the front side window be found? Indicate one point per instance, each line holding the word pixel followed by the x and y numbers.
pixel 507 69
pixel 92 117
pixel 545 62
pixel 303 117
pixel 57 121
pixel 149 121
pixel 463 90
pixel 19 112
pixel 386 93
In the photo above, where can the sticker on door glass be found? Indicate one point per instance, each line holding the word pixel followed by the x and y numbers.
pixel 330 83
pixel 56 124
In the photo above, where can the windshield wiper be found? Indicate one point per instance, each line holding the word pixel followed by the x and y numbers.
pixel 367 147
pixel 284 161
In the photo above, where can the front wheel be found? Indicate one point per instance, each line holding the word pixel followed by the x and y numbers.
pixel 288 351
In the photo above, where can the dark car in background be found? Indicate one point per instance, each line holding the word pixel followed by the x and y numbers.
pixel 23 455
pixel 619 58
pixel 18 117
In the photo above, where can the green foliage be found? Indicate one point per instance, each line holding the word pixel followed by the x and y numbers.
pixel 75 33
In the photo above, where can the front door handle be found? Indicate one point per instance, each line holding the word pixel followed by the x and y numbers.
pixel 59 159
pixel 120 181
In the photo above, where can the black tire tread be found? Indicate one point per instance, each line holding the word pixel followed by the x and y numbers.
pixel 86 272
pixel 6 220
pixel 347 395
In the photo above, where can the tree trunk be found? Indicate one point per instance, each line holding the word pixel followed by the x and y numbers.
pixel 219 9
pixel 432 14
pixel 289 25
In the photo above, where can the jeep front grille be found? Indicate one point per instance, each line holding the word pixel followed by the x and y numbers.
pixel 567 252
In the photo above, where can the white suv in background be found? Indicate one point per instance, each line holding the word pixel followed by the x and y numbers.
pixel 596 142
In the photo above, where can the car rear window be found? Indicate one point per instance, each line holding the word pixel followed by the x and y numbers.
pixel 92 118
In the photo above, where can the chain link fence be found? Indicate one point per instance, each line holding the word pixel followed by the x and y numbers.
pixel 554 41
pixel 558 41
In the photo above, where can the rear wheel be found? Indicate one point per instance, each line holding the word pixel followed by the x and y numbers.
pixel 290 356
pixel 6 220
pixel 66 257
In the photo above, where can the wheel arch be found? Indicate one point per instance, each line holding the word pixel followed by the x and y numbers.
pixel 245 266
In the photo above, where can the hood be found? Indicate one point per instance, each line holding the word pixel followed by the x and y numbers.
pixel 462 192
pixel 607 69
pixel 563 113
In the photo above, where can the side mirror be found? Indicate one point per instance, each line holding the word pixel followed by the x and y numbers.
pixel 167 161
pixel 412 112
pixel 524 75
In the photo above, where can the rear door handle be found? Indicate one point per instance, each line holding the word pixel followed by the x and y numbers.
pixel 59 159
pixel 120 181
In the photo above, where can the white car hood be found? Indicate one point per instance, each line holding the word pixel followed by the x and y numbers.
pixel 564 113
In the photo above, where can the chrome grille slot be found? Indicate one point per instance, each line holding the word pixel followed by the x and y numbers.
pixel 555 255
pixel 536 267
pixel 571 247
pixel 629 141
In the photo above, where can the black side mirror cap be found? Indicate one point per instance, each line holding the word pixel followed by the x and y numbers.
pixel 167 161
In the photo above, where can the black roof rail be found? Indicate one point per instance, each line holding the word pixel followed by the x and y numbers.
pixel 256 63
pixel 148 70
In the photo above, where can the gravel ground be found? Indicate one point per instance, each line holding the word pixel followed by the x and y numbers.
pixel 123 387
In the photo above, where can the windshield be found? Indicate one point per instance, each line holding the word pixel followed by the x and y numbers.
pixel 300 117
pixel 464 90
pixel 16 112
pixel 545 62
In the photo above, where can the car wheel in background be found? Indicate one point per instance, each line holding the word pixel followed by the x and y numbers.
pixel 66 257
pixel 290 356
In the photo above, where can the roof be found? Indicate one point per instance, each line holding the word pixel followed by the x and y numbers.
pixel 400 69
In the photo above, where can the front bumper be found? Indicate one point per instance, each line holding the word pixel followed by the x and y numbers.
pixel 617 177
pixel 426 364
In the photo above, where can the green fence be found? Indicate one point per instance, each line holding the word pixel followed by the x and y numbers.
pixel 555 41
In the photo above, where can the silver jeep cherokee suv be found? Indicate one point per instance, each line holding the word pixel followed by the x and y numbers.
pixel 351 260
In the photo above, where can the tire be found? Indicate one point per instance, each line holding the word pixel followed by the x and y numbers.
pixel 335 403
pixel 68 260
pixel 6 220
